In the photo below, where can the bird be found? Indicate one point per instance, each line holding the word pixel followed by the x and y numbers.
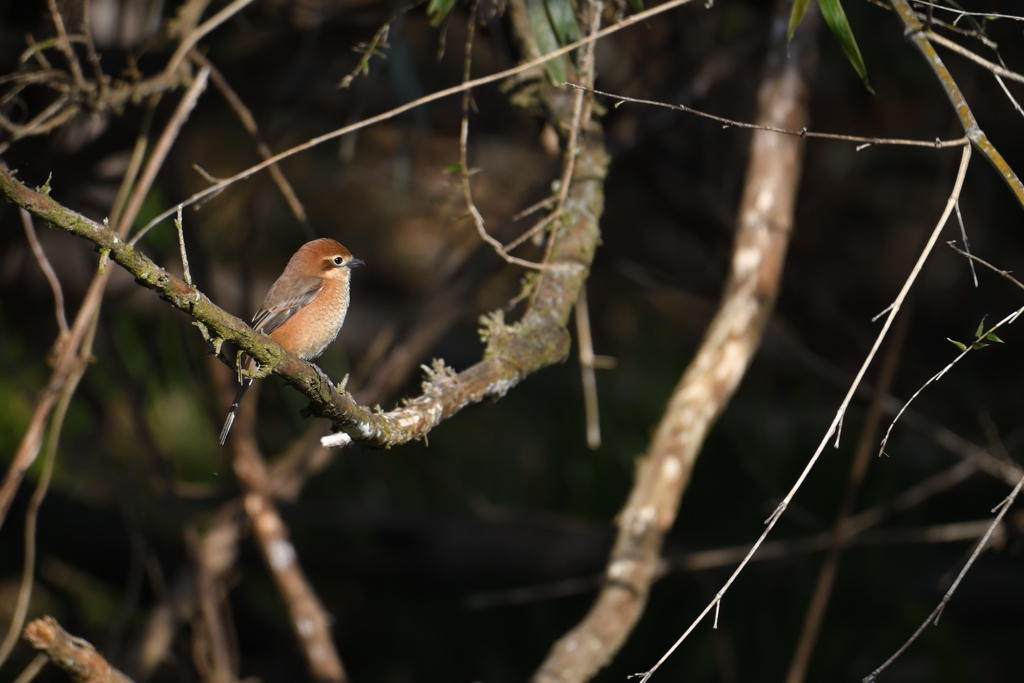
pixel 304 309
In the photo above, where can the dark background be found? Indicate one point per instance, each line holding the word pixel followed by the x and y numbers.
pixel 404 545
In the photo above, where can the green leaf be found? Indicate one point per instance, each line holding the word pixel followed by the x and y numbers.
pixel 637 5
pixel 991 336
pixel 981 327
pixel 563 20
pixel 962 347
pixel 835 17
pixel 796 16
pixel 437 10
pixel 546 39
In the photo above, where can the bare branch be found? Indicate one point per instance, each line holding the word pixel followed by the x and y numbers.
pixel 64 45
pixel 917 35
pixel 464 174
pixel 249 123
pixel 194 36
pixel 75 656
pixel 972 257
pixel 163 146
pixel 842 527
pixel 977 59
pixel 764 223
pixel 51 275
pixel 802 133
pixel 1003 508
pixel 440 94
pixel 962 13
pixel 79 364
pixel 308 617
pixel 587 365
pixel 66 359
pixel 513 351
pixel 937 376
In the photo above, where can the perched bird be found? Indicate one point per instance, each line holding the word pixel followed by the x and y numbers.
pixel 305 308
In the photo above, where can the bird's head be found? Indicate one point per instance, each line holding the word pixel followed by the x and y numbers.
pixel 328 259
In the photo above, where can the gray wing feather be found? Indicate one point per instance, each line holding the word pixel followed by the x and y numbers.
pixel 289 300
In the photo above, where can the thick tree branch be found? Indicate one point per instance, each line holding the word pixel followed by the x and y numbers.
pixel 764 224
pixel 309 618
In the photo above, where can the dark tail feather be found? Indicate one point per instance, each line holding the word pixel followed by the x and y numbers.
pixel 234 409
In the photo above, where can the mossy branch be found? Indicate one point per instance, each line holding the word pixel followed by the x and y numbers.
pixel 537 340
pixel 917 36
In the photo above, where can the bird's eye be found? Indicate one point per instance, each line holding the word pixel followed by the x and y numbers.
pixel 338 261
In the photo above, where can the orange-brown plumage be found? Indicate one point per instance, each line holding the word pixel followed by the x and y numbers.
pixel 305 308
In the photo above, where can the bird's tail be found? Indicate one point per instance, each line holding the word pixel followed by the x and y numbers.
pixel 233 410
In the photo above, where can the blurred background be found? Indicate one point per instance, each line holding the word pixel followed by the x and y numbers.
pixel 415 551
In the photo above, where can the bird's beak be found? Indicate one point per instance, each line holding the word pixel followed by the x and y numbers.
pixel 355 263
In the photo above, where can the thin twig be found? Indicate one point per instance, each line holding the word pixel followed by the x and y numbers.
pixel 916 34
pixel 181 247
pixel 912 497
pixel 464 172
pixel 967 244
pixel 194 36
pixel 64 45
pixel 764 226
pixel 249 123
pixel 580 118
pixel 818 605
pixel 963 13
pixel 937 376
pixel 972 257
pixel 774 518
pixel 135 161
pixel 977 59
pixel 802 133
pixel 716 558
pixel 65 364
pixel 939 434
pixel 586 354
pixel 48 271
pixel 94 59
pixel 1009 95
pixel 377 46
pixel 67 392
pixel 32 670
pixel 1003 508
pixel 161 149
pixel 433 97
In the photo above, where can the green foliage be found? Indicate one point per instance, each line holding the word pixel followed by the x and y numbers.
pixel 835 17
pixel 554 24
pixel 796 16
pixel 378 47
pixel 980 335
pixel 438 10
pixel 563 20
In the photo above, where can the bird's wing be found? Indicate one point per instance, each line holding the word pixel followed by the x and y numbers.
pixel 284 301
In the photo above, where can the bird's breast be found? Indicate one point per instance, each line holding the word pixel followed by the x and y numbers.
pixel 309 332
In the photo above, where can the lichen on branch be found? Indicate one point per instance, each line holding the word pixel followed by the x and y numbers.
pixel 513 352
